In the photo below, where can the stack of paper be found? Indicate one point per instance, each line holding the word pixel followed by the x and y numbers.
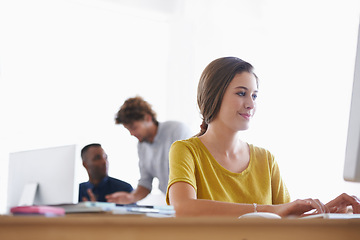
pixel 87 207
pixel 151 211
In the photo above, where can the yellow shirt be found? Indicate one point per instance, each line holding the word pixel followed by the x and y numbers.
pixel 260 182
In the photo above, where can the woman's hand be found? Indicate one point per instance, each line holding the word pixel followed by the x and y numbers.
pixel 340 204
pixel 300 207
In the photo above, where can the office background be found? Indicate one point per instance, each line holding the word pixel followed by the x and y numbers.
pixel 66 66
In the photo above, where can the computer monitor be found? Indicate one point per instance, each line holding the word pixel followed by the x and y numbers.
pixel 352 155
pixel 43 177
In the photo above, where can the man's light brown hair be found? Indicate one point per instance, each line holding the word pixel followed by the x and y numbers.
pixel 134 109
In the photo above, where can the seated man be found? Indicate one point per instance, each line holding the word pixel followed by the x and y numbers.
pixel 100 184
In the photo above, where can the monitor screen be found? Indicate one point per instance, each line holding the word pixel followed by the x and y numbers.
pixel 47 176
pixel 352 155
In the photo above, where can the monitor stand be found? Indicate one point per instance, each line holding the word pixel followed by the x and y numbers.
pixel 28 194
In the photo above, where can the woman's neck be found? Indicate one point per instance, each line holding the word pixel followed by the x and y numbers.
pixel 223 138
pixel 227 149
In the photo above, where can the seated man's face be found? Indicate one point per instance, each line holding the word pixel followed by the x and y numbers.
pixel 96 163
pixel 140 130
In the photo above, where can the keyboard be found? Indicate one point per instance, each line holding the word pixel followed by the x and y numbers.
pixel 333 216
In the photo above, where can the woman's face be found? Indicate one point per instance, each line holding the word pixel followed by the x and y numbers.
pixel 239 102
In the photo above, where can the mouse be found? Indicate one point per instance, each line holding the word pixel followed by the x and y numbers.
pixel 261 215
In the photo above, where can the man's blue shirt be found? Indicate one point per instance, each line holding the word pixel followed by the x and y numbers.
pixel 107 186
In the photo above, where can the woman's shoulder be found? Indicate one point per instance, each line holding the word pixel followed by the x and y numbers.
pixel 192 146
pixel 192 142
pixel 185 150
pixel 261 153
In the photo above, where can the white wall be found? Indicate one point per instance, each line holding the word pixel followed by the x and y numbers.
pixel 67 66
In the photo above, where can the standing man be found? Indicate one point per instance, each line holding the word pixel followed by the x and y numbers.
pixel 100 184
pixel 155 139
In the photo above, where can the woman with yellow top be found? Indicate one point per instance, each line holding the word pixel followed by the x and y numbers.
pixel 216 173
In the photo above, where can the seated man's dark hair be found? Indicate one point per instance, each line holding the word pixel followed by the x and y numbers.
pixel 86 148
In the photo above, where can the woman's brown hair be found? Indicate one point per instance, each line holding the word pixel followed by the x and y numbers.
pixel 214 80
